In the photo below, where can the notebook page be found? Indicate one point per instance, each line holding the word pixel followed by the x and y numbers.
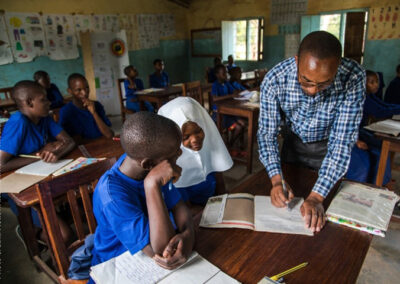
pixel 269 218
pixel 223 278
pixel 41 168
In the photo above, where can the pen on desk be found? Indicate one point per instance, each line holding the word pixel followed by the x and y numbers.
pixel 276 277
pixel 286 193
pixel 29 156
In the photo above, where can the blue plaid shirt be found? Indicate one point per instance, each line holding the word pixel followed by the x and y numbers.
pixel 332 114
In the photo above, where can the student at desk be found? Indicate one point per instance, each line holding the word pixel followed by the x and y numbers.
pixel 321 95
pixel 32 131
pixel 53 93
pixel 366 153
pixel 159 79
pixel 132 200
pixel 235 79
pixel 133 84
pixel 84 118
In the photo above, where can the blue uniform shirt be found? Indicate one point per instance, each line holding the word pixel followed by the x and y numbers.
pixel 131 94
pixel 220 90
pixel 22 136
pixel 161 81
pixel 78 121
pixel 237 86
pixel 119 205
pixel 54 96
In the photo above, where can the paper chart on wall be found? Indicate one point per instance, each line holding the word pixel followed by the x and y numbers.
pixel 6 56
pixel 104 23
pixel 82 23
pixel 148 31
pixel 166 25
pixel 292 42
pixel 128 23
pixel 285 12
pixel 384 22
pixel 60 36
pixel 26 35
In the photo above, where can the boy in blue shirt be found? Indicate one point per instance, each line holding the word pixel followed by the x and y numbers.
pixel 235 79
pixel 222 90
pixel 53 93
pixel 159 79
pixel 211 71
pixel 32 131
pixel 83 117
pixel 133 84
pixel 231 63
pixel 132 200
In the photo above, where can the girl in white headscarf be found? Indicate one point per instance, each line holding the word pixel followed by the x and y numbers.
pixel 203 150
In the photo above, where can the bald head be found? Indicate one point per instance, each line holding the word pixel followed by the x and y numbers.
pixel 321 45
pixel 24 90
pixel 148 135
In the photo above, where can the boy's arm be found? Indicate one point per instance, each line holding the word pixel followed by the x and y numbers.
pixel 8 163
pixel 53 151
pixel 221 98
pixel 104 129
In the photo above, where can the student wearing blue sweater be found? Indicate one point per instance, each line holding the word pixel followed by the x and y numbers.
pixel 366 153
pixel 52 92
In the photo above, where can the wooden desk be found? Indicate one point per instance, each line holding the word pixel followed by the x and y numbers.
pixel 159 98
pixel 248 77
pixel 335 255
pixel 242 109
pixel 389 144
pixel 98 148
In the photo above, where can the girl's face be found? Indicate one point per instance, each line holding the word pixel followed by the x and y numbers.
pixel 192 136
pixel 372 84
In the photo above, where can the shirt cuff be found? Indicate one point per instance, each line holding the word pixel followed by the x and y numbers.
pixel 323 186
pixel 273 170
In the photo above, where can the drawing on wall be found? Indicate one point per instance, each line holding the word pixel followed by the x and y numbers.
pixel 292 42
pixel 287 12
pixel 166 25
pixel 384 22
pixel 128 24
pixel 26 35
pixel 60 36
pixel 82 23
pixel 6 56
pixel 148 31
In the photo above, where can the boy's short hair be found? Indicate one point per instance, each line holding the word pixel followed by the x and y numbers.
pixel 157 61
pixel 321 45
pixel 24 90
pixel 218 68
pixel 39 75
pixel 369 73
pixel 75 76
pixel 127 68
pixel 145 135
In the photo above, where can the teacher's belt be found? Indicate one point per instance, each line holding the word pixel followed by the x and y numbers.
pixel 295 151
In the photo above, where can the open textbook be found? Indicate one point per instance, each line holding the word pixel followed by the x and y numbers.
pixel 141 269
pixel 246 211
pixel 362 207
pixel 149 90
pixel 388 126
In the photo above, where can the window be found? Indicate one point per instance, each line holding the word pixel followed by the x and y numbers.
pixel 243 39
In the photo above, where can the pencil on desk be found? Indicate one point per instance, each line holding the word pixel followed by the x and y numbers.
pixel 29 156
pixel 276 277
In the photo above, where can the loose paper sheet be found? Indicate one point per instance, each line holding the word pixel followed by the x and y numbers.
pixel 60 36
pixel 149 90
pixel 269 218
pixel 387 126
pixel 6 56
pixel 15 183
pixel 41 168
pixel 26 35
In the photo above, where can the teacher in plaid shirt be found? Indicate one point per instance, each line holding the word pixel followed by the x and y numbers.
pixel 320 96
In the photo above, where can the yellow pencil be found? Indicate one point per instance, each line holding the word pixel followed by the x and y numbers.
pixel 29 156
pixel 276 277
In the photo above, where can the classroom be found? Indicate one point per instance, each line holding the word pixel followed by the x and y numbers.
pixel 200 141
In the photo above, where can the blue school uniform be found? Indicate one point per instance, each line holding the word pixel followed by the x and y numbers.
pixel 230 67
pixel 364 163
pixel 199 193
pixel 80 122
pixel 21 136
pixel 54 96
pixel 119 205
pixel 392 94
pixel 237 86
pixel 159 81
pixel 222 89
pixel 131 94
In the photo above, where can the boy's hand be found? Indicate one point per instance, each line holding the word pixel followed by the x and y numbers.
pixel 278 198
pixel 362 145
pixel 89 104
pixel 162 174
pixel 176 253
pixel 313 212
pixel 47 156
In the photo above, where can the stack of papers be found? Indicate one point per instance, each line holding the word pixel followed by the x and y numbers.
pixel 388 126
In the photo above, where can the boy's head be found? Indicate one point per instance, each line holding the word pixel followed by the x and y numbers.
pixel 217 60
pixel 230 59
pixel 78 86
pixel 158 65
pixel 236 74
pixel 372 82
pixel 149 138
pixel 220 72
pixel 42 78
pixel 31 98
pixel 192 136
pixel 130 71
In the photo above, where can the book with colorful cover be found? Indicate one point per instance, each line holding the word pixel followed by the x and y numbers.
pixel 77 164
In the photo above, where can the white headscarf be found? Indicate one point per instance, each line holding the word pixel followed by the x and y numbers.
pixel 213 156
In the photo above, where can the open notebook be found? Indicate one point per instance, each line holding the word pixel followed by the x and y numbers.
pixel 141 269
pixel 362 207
pixel 149 90
pixel 388 126
pixel 246 211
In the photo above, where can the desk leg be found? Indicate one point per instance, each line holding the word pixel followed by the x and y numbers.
pixel 28 230
pixel 382 162
pixel 250 142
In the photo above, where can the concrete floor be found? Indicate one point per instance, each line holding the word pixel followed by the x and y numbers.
pixel 382 264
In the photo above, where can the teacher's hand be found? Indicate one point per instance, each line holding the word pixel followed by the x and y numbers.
pixel 278 198
pixel 313 212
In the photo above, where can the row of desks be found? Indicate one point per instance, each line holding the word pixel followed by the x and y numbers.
pixel 335 255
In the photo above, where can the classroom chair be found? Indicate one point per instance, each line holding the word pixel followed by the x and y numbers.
pixel 6 102
pixel 193 90
pixel 122 99
pixel 73 187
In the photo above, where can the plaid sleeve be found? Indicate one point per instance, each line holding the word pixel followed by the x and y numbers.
pixel 342 137
pixel 268 125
